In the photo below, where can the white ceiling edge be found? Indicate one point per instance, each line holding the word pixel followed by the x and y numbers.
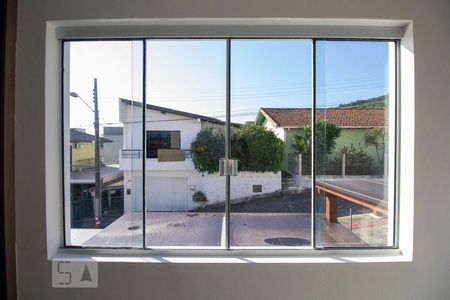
pixel 235 21
pixel 229 27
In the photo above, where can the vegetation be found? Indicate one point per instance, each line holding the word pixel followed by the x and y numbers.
pixel 302 144
pixel 376 102
pixel 358 162
pixel 256 148
pixel 198 196
pixel 207 148
pixel 375 137
pixel 326 135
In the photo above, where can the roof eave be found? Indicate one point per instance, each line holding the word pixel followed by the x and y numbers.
pixel 269 118
pixel 173 111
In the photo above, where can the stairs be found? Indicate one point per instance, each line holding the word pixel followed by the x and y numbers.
pixel 288 183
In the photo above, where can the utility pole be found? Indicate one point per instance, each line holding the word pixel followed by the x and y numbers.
pixel 98 182
pixel 98 188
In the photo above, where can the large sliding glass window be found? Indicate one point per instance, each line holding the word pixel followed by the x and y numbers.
pixel 103 137
pixel 271 92
pixel 229 143
pixel 184 195
pixel 355 143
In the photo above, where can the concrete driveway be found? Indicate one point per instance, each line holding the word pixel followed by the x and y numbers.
pixel 207 230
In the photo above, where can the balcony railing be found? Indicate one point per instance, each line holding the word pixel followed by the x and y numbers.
pixel 187 153
pixel 137 153
pixel 131 153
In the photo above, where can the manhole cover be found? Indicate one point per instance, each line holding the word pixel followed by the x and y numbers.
pixel 176 225
pixel 287 241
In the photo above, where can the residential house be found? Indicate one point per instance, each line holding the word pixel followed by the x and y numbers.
pixel 82 149
pixel 355 123
pixel 170 176
pixel 82 181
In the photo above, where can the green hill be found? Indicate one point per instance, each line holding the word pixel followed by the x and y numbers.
pixel 376 102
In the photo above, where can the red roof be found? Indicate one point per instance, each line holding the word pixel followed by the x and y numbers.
pixel 345 117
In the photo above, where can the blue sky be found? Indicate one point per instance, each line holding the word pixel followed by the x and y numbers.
pixel 190 75
pixel 348 71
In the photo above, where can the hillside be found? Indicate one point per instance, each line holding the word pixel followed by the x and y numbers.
pixel 376 102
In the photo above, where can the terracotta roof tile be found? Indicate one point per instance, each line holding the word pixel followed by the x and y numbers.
pixel 348 117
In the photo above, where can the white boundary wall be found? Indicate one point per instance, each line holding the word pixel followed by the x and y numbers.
pixel 212 185
pixel 241 186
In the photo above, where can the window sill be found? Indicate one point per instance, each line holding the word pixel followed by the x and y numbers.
pixel 233 256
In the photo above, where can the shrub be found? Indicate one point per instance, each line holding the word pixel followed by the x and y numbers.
pixel 207 148
pixel 358 162
pixel 198 196
pixel 257 148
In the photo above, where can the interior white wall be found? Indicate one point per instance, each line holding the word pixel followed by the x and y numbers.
pixel 427 277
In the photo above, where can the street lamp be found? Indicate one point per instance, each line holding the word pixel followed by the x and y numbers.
pixel 97 196
pixel 75 95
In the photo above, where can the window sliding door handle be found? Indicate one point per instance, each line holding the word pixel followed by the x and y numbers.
pixel 228 167
pixel 233 165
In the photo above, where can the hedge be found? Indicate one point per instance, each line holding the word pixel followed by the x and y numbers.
pixel 255 147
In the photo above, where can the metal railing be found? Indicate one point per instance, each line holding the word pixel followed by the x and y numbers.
pixel 137 153
pixel 131 153
pixel 187 153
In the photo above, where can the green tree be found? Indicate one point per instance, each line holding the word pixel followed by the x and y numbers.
pixel 326 135
pixel 302 144
pixel 207 148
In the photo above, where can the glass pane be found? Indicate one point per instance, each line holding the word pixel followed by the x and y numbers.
pixel 161 139
pixel 185 139
pixel 103 143
pixel 354 146
pixel 271 114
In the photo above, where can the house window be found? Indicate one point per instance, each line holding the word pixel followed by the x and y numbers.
pixel 161 140
pixel 268 143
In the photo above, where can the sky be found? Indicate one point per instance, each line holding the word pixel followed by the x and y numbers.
pixel 190 75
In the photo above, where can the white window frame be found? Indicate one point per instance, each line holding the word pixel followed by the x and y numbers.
pixel 279 28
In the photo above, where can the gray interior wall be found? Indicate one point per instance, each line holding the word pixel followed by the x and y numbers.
pixel 427 277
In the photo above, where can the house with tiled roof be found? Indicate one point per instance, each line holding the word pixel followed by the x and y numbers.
pixel 82 149
pixel 355 122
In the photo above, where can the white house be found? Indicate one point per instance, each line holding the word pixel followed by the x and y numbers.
pixel 170 176
pixel 111 150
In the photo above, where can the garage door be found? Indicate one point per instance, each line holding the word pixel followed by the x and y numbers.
pixel 166 193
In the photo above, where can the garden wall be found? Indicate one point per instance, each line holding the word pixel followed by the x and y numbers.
pixel 241 185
